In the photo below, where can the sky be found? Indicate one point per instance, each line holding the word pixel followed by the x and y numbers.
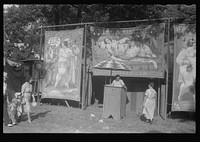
pixel 7 5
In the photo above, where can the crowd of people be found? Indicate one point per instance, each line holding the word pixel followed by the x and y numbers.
pixel 14 107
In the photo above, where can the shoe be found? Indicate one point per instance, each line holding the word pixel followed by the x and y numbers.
pixel 14 123
pixel 10 125
pixel 29 121
pixel 148 121
pixel 151 121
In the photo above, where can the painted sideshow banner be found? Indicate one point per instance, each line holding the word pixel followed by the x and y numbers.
pixel 140 48
pixel 184 68
pixel 62 59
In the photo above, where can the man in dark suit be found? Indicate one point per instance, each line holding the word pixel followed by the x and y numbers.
pixel 7 121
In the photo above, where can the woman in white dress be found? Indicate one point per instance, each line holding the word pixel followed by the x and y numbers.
pixel 149 103
pixel 26 90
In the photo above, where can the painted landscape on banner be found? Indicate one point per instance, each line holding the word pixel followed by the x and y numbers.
pixel 140 48
pixel 184 68
pixel 62 59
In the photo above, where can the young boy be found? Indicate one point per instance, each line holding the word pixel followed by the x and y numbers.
pixel 13 108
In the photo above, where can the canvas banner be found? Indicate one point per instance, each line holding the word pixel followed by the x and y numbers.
pixel 184 68
pixel 140 48
pixel 62 60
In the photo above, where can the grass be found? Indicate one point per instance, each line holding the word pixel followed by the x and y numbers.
pixel 60 119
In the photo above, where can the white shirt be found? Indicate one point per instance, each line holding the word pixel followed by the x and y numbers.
pixel 119 83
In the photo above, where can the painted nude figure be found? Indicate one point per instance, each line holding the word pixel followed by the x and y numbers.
pixel 66 65
pixel 187 70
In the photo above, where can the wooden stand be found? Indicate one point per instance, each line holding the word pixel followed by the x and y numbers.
pixel 114 102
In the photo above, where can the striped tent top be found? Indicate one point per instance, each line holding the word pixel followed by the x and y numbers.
pixel 112 65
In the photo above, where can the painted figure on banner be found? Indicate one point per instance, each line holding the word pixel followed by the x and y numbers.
pixel 186 59
pixel 67 61
pixel 126 49
pixel 51 59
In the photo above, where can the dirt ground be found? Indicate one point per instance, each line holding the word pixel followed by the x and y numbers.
pixel 61 119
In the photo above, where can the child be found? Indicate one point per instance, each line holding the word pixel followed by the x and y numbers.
pixel 13 108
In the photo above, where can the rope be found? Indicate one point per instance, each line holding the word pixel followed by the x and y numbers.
pixel 89 23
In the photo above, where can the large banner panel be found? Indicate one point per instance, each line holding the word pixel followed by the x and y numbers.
pixel 62 59
pixel 140 48
pixel 184 68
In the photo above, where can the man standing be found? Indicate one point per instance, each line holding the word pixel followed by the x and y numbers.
pixel 7 121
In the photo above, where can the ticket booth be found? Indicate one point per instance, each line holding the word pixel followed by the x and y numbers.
pixel 114 102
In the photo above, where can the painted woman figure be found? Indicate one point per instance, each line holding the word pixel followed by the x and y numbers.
pixel 186 59
pixel 149 103
pixel 66 65
pixel 27 94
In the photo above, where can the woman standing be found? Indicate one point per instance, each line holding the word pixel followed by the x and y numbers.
pixel 149 103
pixel 27 94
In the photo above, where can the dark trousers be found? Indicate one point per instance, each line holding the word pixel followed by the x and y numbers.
pixel 5 111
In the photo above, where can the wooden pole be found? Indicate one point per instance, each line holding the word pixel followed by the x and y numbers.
pixel 84 70
pixel 158 111
pixel 110 75
pixel 39 80
pixel 41 43
pixel 167 75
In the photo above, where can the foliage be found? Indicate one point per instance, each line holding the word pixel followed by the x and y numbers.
pixel 22 22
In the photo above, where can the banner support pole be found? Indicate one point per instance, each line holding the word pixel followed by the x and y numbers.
pixel 39 73
pixel 84 70
pixel 167 75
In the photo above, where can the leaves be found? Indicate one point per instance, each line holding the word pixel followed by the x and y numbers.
pixel 22 22
pixel 182 31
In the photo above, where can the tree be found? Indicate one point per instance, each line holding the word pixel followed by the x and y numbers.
pixel 22 22
pixel 21 26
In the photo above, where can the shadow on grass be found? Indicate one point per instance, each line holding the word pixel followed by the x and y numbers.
pixel 33 116
pixel 183 116
pixel 60 102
